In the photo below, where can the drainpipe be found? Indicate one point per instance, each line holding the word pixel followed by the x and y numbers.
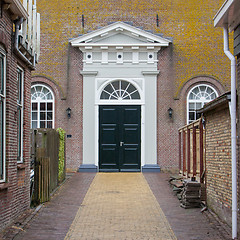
pixel 17 26
pixel 233 131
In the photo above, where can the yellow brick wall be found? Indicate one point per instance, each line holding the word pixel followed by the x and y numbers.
pixel 197 45
pixel 218 162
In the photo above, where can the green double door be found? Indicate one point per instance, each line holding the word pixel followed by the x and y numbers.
pixel 119 138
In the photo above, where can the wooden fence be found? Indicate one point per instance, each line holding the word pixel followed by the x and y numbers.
pixel 42 179
pixel 45 154
pixel 192 150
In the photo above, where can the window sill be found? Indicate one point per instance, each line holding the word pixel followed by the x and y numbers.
pixel 4 186
pixel 21 166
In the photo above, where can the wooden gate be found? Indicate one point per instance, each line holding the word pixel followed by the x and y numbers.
pixel 45 155
pixel 42 179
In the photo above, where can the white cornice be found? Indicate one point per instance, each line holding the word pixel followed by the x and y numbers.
pixel 88 45
pixel 150 39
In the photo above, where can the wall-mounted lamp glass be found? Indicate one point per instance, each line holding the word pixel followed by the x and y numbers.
pixel 170 112
pixel 68 110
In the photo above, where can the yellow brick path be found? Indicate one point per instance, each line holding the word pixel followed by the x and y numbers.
pixel 120 206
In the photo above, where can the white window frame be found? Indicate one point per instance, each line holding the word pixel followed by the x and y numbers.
pixel 101 83
pixel 3 96
pixel 20 105
pixel 38 101
pixel 120 93
pixel 198 100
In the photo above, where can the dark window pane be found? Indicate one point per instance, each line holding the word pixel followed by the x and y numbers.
pixel 34 124
pixel 213 96
pixel 42 124
pixel 34 115
pixel 104 95
pixel 1 72
pixel 19 80
pixel 49 106
pixel 49 116
pixel 198 115
pixel 108 88
pixel 42 116
pixel 191 116
pixel 124 84
pixel 49 124
pixel 116 85
pixel 19 134
pixel 42 106
pixel 131 88
pixel 34 106
pixel 135 95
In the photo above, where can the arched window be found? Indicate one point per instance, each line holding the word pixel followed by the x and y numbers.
pixel 42 107
pixel 120 90
pixel 197 97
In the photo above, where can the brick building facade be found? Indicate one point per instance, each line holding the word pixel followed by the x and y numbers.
pixel 192 61
pixel 218 156
pixel 17 62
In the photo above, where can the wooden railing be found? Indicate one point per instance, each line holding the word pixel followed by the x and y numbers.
pixel 192 150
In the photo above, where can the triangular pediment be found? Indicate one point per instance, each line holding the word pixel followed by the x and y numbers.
pixel 119 34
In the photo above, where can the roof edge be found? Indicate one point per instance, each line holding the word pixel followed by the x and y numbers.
pixel 119 25
pixel 225 98
pixel 17 8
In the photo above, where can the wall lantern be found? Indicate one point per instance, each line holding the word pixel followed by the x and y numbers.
pixel 170 112
pixel 68 110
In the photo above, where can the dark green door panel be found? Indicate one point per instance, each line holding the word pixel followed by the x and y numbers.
pixel 119 138
pixel 109 137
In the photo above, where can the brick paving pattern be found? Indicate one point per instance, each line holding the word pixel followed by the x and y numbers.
pixel 54 219
pixel 187 224
pixel 120 206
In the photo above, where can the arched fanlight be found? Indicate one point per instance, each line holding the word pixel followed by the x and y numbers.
pixel 120 90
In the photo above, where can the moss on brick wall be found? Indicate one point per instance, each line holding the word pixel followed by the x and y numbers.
pixel 197 44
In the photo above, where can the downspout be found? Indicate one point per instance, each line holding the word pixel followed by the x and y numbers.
pixel 233 131
pixel 17 26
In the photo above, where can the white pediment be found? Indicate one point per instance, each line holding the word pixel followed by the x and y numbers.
pixel 119 34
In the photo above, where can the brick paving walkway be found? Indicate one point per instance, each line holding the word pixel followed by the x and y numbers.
pixel 54 219
pixel 188 224
pixel 120 206
pixel 110 213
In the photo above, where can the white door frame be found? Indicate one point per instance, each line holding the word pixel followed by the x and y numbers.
pixel 140 102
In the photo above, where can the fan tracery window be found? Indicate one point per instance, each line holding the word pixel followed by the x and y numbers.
pixel 197 97
pixel 120 90
pixel 42 107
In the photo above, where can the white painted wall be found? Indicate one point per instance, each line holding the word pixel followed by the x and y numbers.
pixel 149 108
pixel 88 119
pixel 151 119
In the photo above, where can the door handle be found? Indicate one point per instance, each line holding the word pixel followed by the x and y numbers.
pixel 121 144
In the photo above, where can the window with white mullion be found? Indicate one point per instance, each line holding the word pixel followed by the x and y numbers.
pixel 20 81
pixel 42 114
pixel 2 115
pixel 196 98
pixel 120 90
